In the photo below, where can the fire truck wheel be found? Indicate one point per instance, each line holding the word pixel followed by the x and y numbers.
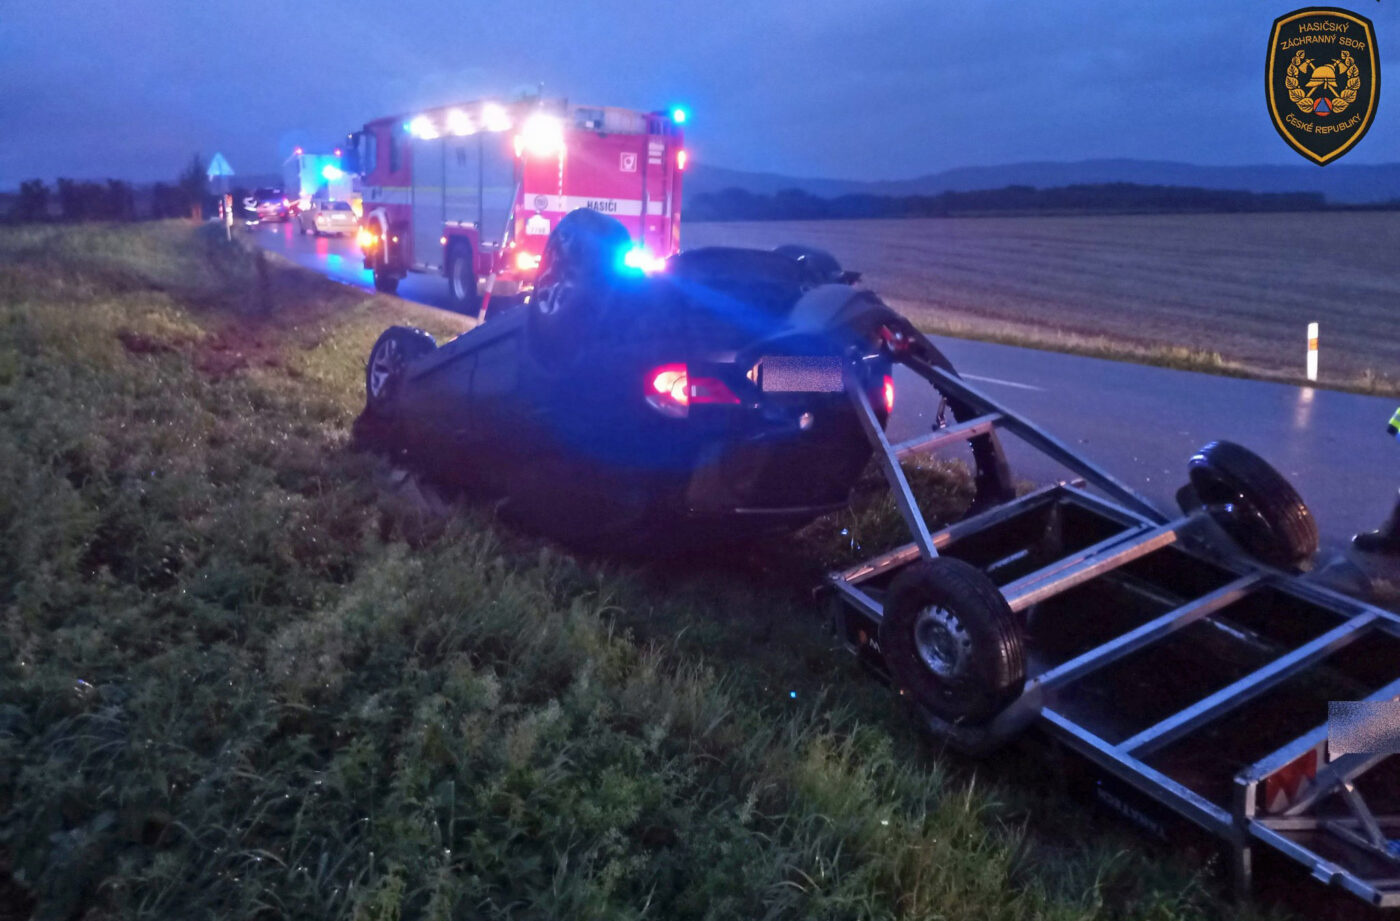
pixel 385 282
pixel 582 254
pixel 951 642
pixel 461 281
pixel 396 347
pixel 1254 504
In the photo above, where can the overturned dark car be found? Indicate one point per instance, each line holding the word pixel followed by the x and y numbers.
pixel 618 410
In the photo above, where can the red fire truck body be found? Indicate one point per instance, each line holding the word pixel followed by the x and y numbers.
pixel 472 191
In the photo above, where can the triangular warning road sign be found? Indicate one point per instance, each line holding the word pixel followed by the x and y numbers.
pixel 219 167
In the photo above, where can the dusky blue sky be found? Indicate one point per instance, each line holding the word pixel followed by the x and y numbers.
pixel 878 89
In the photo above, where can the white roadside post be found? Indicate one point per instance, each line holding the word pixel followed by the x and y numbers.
pixel 1312 351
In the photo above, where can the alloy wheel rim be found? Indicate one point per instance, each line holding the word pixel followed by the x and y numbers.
pixel 383 367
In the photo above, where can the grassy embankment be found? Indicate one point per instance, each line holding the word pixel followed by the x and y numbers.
pixel 1227 294
pixel 240 679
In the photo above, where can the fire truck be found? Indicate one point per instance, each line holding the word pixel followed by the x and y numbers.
pixel 472 191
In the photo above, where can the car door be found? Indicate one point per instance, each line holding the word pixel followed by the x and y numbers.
pixel 463 404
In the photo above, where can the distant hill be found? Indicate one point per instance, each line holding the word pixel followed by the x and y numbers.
pixel 1341 183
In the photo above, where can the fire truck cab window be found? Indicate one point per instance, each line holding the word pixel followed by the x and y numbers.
pixel 393 152
pixel 368 144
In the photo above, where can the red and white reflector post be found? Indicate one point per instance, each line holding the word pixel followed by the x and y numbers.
pixel 1312 351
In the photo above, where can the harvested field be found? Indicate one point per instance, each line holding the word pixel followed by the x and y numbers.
pixel 1231 293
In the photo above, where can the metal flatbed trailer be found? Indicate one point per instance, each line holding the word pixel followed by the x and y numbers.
pixel 1183 656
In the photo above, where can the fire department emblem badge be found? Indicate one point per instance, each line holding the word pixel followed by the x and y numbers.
pixel 1323 80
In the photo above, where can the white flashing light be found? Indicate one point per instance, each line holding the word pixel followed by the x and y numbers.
pixel 679 115
pixel 330 172
pixel 422 127
pixel 638 258
pixel 541 136
pixel 460 123
pixel 494 117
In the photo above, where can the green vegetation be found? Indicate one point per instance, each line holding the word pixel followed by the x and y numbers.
pixel 240 679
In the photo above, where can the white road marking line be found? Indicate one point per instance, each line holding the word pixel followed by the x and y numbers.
pixel 997 380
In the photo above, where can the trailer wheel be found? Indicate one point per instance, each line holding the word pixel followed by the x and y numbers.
pixel 584 250
pixel 383 281
pixel 951 641
pixel 461 281
pixel 1254 504
pixel 396 347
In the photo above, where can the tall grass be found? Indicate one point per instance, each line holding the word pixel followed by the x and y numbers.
pixel 240 679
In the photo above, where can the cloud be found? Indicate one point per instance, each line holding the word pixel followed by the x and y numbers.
pixel 881 89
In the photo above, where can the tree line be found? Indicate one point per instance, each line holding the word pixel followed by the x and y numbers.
pixel 735 204
pixel 114 199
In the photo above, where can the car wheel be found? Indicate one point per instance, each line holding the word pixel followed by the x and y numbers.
pixel 461 281
pixel 396 348
pixel 1254 504
pixel 952 642
pixel 581 256
pixel 818 266
pixel 862 315
pixel 383 281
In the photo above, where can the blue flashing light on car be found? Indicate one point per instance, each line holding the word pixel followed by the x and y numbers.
pixel 639 260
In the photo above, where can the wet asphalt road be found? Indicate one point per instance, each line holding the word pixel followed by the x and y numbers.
pixel 1140 423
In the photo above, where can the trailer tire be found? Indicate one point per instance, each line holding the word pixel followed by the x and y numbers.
pixel 461 281
pixel 392 352
pixel 1254 504
pixel 583 251
pixel 386 283
pixel 952 642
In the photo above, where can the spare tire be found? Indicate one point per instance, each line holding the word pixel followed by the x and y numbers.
pixel 1254 504
pixel 952 642
pixel 583 253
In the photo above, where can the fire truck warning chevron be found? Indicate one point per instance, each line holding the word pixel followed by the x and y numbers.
pixel 472 191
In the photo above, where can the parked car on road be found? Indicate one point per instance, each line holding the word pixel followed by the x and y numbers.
pixel 330 217
pixel 269 205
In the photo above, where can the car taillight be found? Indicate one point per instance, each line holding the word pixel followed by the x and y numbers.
pixel 888 392
pixel 671 390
